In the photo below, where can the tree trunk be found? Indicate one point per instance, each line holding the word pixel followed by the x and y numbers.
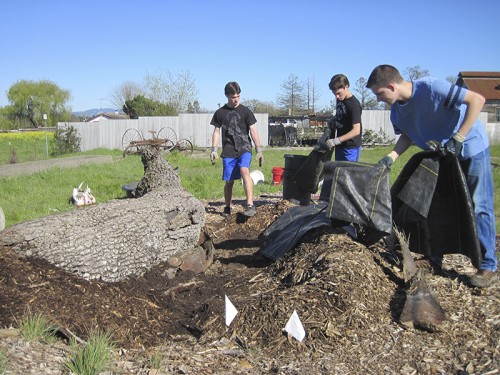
pixel 121 238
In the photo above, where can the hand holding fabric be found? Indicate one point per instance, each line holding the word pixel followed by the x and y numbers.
pixel 387 161
pixel 455 144
pixel 331 143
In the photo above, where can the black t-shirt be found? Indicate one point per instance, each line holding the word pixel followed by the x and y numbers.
pixel 235 128
pixel 348 113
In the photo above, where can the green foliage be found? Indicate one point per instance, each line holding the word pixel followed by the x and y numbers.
pixel 31 100
pixel 4 362
pixel 27 146
pixel 142 106
pixel 157 360
pixel 35 327
pixel 92 358
pixel 66 141
pixel 33 196
pixel 372 138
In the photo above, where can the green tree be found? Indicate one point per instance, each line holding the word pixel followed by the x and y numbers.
pixel 292 98
pixel 37 103
pixel 194 107
pixel 142 106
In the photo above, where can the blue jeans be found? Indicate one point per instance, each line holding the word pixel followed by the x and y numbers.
pixel 479 178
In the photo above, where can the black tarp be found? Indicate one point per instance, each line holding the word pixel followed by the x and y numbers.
pixel 358 193
pixel 432 205
pixel 284 233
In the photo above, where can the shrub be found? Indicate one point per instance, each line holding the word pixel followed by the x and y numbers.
pixel 66 141
pixel 35 327
pixel 92 358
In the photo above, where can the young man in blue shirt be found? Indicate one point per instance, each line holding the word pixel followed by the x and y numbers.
pixel 432 109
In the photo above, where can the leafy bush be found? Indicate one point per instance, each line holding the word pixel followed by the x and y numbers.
pixel 66 141
pixel 372 138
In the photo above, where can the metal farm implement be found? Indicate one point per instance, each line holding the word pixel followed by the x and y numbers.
pixel 164 140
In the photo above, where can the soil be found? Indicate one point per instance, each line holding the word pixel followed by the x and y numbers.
pixel 348 294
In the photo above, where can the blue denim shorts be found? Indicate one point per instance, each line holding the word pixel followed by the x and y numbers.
pixel 231 166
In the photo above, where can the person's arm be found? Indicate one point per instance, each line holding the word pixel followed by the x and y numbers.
pixel 402 144
pixel 215 137
pixel 475 103
pixel 354 132
pixel 254 134
pixel 215 141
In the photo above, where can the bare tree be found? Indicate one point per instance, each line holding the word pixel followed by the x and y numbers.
pixel 128 90
pixel 452 79
pixel 415 72
pixel 175 90
pixel 365 96
pixel 292 97
pixel 312 95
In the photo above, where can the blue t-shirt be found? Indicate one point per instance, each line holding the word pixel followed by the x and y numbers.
pixel 435 111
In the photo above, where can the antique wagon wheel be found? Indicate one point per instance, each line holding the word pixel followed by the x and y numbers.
pixel 168 134
pixel 130 140
pixel 184 146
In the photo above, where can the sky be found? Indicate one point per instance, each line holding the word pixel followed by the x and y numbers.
pixel 92 47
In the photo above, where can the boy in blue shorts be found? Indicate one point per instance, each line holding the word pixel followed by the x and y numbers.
pixel 237 123
pixel 431 109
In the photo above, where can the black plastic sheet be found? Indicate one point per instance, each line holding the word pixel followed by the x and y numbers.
pixel 441 223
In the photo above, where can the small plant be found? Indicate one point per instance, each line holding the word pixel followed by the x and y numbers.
pixel 156 361
pixel 35 327
pixel 371 138
pixel 66 141
pixel 4 361
pixel 91 358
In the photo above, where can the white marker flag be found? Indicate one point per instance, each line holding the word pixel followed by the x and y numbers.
pixel 294 327
pixel 230 311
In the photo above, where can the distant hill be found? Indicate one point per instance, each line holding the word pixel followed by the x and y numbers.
pixel 95 111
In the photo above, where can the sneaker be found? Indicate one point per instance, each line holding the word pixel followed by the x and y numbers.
pixel 226 212
pixel 483 278
pixel 249 211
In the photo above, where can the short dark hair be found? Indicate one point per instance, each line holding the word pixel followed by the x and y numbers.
pixel 232 88
pixel 383 75
pixel 338 81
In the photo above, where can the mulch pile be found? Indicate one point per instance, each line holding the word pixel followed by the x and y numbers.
pixel 348 295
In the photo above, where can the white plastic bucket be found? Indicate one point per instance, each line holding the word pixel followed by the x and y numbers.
pixel 257 176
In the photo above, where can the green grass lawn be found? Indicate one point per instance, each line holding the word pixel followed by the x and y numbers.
pixel 29 197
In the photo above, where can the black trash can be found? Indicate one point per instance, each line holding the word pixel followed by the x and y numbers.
pixel 292 191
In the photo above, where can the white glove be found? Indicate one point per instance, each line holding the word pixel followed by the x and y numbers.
pixel 213 155
pixel 331 143
pixel 260 155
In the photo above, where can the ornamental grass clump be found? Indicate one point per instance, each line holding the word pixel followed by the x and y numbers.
pixel 91 358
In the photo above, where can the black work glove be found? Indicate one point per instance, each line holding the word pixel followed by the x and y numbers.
pixel 455 144
pixel 387 161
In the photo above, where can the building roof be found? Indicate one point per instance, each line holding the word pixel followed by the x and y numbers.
pixel 485 83
pixel 109 116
